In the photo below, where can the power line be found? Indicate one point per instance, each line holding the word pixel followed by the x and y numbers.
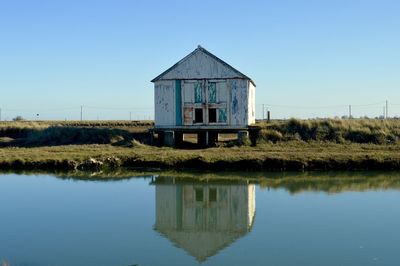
pixel 119 108
pixel 263 111
pixel 324 106
pixel 39 110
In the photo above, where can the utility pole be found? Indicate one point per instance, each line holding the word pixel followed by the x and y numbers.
pixel 81 112
pixel 0 114
pixel 263 111
pixel 387 112
pixel 349 111
pixel 130 116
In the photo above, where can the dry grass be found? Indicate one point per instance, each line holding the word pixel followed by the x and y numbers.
pixel 340 131
pixel 281 156
pixel 49 133
pixel 283 145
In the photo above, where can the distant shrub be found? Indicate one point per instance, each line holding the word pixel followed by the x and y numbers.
pixel 18 118
pixel 270 135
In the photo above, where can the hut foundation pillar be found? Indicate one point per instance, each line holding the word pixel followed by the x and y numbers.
pixel 169 138
pixel 178 138
pixel 202 138
pixel 243 136
pixel 212 139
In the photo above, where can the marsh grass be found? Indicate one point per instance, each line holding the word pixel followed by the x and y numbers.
pixel 28 133
pixel 292 155
pixel 298 145
pixel 332 130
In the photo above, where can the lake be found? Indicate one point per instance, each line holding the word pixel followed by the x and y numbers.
pixel 163 219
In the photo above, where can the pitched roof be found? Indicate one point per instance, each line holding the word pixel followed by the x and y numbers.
pixel 201 64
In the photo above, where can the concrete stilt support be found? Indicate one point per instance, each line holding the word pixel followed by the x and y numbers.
pixel 151 137
pixel 160 138
pixel 243 136
pixel 202 139
pixel 254 135
pixel 178 138
pixel 212 138
pixel 169 138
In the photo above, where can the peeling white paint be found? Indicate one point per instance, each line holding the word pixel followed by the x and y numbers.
pixel 233 95
pixel 164 103
pixel 252 104
pixel 200 65
pixel 239 102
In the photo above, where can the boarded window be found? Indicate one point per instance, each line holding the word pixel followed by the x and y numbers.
pixel 222 115
pixel 212 92
pixel 198 92
pixel 188 92
pixel 188 115
pixel 212 115
pixel 212 195
pixel 198 115
pixel 222 92
pixel 199 194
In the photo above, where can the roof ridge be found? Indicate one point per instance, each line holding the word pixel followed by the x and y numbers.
pixel 202 49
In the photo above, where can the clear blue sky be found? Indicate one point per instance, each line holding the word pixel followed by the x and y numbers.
pixel 58 55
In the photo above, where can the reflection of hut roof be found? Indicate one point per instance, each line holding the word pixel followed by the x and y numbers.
pixel 201 245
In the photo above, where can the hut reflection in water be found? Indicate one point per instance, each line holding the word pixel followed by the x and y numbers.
pixel 203 217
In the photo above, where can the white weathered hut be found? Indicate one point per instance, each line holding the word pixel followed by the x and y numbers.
pixel 202 94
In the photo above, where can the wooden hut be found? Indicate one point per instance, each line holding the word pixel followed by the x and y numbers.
pixel 202 94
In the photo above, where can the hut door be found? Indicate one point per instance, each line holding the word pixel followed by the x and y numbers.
pixel 204 102
pixel 188 99
pixel 217 95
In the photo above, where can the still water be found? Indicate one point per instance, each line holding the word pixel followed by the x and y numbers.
pixel 166 220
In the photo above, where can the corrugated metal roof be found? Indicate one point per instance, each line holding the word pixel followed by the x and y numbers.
pixel 238 74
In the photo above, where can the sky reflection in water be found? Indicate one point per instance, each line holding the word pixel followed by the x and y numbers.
pixel 318 220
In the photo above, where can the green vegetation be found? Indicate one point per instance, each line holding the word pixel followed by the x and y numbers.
pixel 280 156
pixel 29 134
pixel 281 145
pixel 339 131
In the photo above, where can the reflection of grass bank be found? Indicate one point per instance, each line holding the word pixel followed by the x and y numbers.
pixel 331 182
pixel 293 155
pixel 294 182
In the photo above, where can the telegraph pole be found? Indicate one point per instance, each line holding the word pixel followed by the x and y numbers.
pixel 263 111
pixel 349 111
pixel 0 114
pixel 387 112
pixel 81 112
pixel 130 116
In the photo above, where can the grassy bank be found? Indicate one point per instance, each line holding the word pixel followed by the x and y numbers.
pixel 281 145
pixel 280 156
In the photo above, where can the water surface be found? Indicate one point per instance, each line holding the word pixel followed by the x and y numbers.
pixel 158 220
